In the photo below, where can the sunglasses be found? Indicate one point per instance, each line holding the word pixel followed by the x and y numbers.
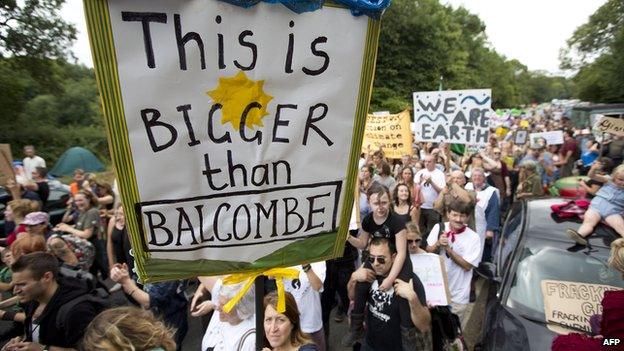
pixel 380 259
pixel 410 242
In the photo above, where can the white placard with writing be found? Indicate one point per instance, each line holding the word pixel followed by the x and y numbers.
pixel 230 112
pixel 554 137
pixel 431 271
pixel 572 303
pixel 453 116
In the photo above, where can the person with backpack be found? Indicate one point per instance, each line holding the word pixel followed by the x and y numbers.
pixel 461 249
pixel 45 295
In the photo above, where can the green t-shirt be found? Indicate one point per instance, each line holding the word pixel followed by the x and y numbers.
pixel 89 219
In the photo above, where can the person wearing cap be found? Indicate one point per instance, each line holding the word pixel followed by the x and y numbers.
pixel 37 224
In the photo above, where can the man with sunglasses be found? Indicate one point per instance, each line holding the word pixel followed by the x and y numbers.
pixel 383 320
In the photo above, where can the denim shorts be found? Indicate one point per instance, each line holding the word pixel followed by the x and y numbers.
pixel 604 207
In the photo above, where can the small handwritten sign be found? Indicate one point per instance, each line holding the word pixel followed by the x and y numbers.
pixel 390 132
pixel 611 125
pixel 572 303
pixel 431 271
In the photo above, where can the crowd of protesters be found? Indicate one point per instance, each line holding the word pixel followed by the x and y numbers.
pixel 434 200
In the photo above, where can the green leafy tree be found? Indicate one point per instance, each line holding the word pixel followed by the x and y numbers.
pixel 596 50
pixel 422 40
pixel 34 28
pixel 595 37
pixel 416 47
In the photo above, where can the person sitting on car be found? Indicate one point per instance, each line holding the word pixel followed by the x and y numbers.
pixel 608 205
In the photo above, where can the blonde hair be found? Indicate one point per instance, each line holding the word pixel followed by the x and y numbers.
pixel 412 227
pixel 22 207
pixel 616 261
pixel 127 329
pixel 618 170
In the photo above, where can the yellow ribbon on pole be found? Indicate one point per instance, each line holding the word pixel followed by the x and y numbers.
pixel 278 273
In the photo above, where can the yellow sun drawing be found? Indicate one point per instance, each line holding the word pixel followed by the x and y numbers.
pixel 235 94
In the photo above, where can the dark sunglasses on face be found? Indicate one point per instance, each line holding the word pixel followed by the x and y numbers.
pixel 380 259
pixel 416 241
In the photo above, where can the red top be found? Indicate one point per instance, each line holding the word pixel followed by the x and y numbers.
pixel 570 145
pixel 611 326
pixel 13 235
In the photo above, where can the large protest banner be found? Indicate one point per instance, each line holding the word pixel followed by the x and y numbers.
pixel 572 303
pixel 453 116
pixel 390 132
pixel 235 132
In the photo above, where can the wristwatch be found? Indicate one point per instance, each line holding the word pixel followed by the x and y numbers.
pixel 306 268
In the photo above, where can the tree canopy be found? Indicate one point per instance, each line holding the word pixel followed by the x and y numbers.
pixel 423 40
pixel 34 28
pixel 53 104
pixel 596 50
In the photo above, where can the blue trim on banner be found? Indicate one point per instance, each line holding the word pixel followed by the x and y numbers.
pixel 371 8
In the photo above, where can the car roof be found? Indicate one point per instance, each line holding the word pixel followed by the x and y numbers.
pixel 543 225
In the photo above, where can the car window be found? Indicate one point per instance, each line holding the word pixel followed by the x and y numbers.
pixel 510 237
pixel 539 263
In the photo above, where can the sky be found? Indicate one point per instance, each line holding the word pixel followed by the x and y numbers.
pixel 531 31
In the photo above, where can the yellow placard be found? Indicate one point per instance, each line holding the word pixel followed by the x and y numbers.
pixel 501 131
pixel 390 132
pixel 524 124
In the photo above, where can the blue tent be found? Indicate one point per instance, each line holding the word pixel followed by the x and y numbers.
pixel 76 157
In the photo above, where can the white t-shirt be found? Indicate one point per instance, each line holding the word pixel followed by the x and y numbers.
pixel 30 164
pixel 429 193
pixel 308 299
pixel 468 246
pixel 226 337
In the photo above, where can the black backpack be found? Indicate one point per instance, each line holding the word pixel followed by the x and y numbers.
pixel 445 328
pixel 98 295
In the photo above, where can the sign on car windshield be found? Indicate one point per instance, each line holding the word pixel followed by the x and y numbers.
pixel 572 303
